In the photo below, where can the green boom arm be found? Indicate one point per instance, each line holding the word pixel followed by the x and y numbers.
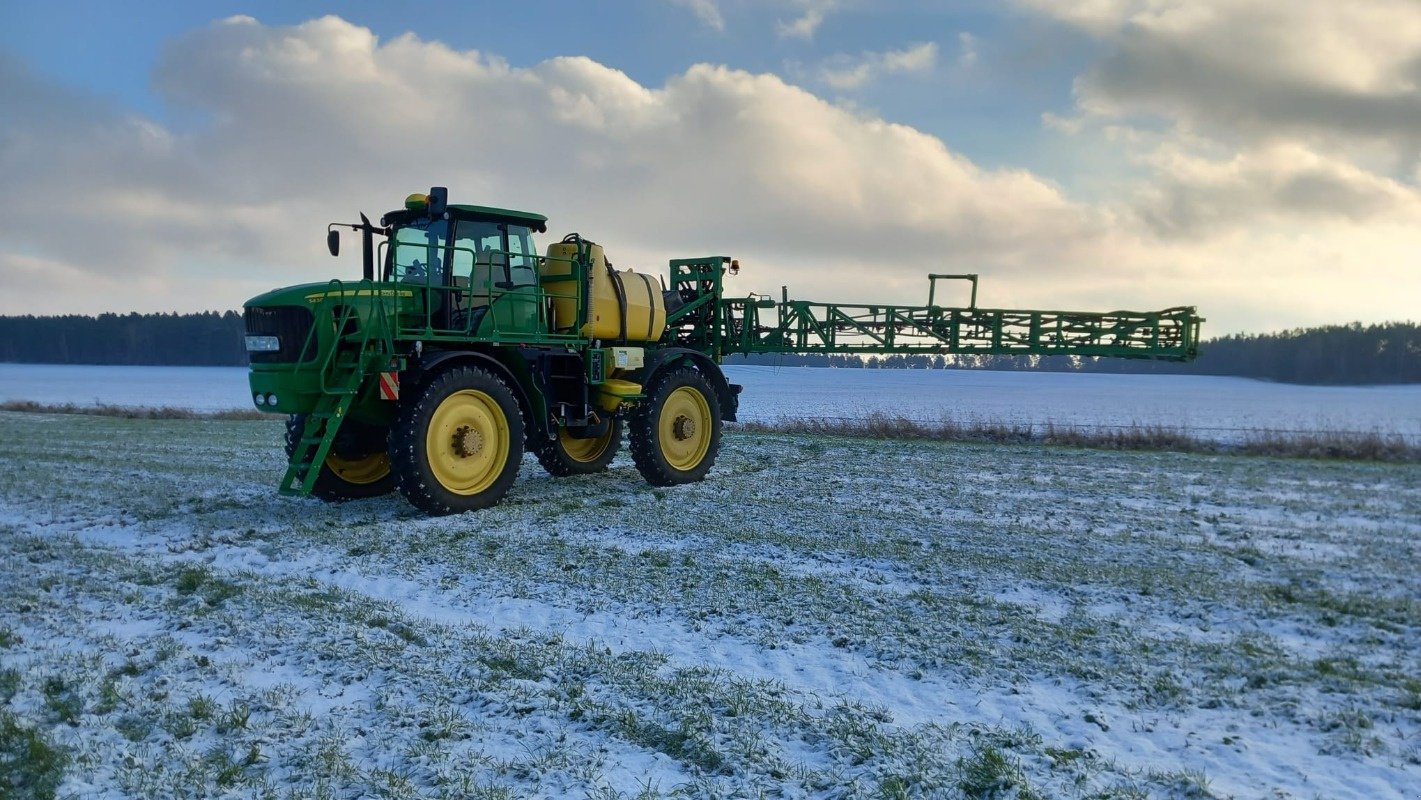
pixel 723 326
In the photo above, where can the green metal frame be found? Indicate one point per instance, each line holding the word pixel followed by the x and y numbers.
pixel 361 345
pixel 721 327
pixel 541 334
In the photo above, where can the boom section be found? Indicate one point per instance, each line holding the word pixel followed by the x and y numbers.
pixel 758 324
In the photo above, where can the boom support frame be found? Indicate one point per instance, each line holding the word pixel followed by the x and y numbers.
pixel 756 324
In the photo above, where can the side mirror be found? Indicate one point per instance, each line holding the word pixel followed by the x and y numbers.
pixel 333 241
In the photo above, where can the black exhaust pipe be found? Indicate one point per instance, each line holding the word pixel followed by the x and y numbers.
pixel 367 240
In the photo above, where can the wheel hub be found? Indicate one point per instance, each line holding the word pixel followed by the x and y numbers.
pixel 467 442
pixel 683 428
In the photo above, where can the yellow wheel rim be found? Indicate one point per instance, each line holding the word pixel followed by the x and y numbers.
pixel 359 471
pixel 468 442
pixel 684 428
pixel 586 450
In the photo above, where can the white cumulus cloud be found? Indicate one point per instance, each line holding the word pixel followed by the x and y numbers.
pixel 811 15
pixel 317 121
pixel 1303 67
pixel 707 11
pixel 853 72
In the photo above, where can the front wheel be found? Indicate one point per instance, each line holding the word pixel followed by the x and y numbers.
pixel 357 466
pixel 675 431
pixel 567 455
pixel 456 445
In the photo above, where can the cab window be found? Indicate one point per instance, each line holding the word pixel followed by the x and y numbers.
pixel 522 257
pixel 479 261
pixel 416 254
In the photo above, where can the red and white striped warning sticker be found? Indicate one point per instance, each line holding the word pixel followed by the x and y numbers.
pixel 389 385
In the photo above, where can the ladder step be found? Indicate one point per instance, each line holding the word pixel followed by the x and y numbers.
pixel 322 425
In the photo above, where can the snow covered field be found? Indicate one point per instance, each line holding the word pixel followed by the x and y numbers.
pixel 820 617
pixel 1224 409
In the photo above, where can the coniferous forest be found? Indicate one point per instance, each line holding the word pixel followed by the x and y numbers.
pixel 188 340
pixel 1334 354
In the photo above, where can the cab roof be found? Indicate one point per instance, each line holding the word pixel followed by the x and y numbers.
pixel 537 222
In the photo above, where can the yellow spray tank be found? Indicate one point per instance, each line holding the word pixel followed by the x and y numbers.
pixel 621 306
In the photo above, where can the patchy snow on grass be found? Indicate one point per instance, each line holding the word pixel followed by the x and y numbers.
pixel 819 618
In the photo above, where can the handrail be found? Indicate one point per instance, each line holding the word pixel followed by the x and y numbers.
pixel 535 293
pixel 365 329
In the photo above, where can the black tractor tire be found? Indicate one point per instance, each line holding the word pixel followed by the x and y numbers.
pixel 675 431
pixel 565 456
pixel 456 444
pixel 358 465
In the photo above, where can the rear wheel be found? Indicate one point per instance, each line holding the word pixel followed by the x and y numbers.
pixel 675 432
pixel 456 444
pixel 567 455
pixel 357 466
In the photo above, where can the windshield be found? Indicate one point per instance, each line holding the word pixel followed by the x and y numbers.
pixel 416 253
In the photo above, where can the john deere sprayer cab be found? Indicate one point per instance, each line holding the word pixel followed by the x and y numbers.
pixel 463 345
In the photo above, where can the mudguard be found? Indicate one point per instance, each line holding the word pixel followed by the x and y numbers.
pixel 668 358
pixel 432 363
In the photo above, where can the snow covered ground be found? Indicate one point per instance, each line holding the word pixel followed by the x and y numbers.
pixel 820 617
pixel 1224 409
pixel 196 388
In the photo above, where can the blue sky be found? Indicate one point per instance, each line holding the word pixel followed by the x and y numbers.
pixel 1232 154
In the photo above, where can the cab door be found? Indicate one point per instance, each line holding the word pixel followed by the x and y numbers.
pixel 494 280
pixel 524 298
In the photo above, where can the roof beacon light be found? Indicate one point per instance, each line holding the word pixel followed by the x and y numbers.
pixel 417 202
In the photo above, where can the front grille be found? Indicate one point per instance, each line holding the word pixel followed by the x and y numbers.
pixel 289 324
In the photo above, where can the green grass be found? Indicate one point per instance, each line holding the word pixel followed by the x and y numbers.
pixel 989 773
pixel 200 581
pixel 31 766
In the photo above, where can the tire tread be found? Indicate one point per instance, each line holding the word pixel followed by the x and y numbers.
pixel 412 476
pixel 646 451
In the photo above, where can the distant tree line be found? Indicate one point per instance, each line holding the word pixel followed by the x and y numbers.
pixel 1335 354
pixel 207 339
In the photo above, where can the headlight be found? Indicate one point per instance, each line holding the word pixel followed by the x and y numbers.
pixel 271 400
pixel 259 399
pixel 263 344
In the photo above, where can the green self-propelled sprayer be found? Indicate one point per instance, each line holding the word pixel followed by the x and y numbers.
pixel 463 345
